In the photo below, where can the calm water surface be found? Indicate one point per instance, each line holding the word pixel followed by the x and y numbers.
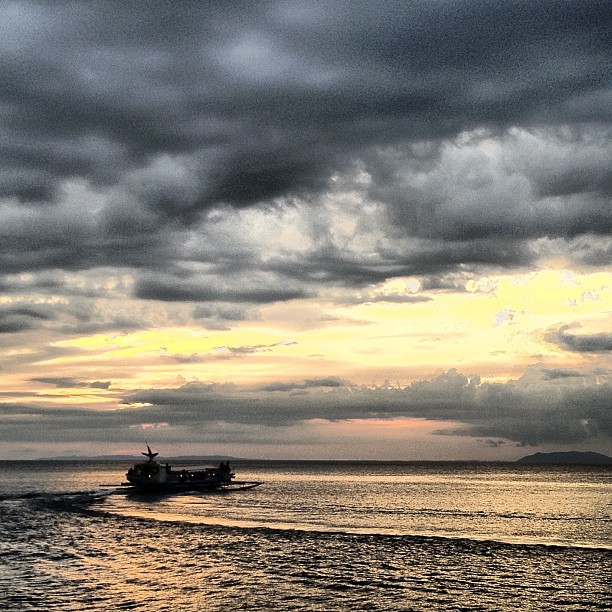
pixel 315 536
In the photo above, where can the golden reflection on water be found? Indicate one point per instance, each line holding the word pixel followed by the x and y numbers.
pixel 519 507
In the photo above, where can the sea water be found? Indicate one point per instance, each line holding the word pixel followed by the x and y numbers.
pixel 314 536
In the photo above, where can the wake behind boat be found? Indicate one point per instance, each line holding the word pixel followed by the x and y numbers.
pixel 151 476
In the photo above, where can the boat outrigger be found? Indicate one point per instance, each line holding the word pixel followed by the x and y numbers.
pixel 151 476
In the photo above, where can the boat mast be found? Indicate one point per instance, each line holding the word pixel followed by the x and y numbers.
pixel 150 454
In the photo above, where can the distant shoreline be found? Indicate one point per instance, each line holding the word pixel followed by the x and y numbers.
pixel 552 458
pixel 567 458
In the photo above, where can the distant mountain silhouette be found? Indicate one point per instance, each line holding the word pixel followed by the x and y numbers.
pixel 568 457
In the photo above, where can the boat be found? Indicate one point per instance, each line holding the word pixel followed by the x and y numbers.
pixel 152 476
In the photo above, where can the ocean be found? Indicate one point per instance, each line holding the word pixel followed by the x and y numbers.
pixel 315 536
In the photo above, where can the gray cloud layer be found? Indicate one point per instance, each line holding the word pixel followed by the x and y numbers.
pixel 532 411
pixel 583 343
pixel 125 126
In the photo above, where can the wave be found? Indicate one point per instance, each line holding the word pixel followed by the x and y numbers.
pixel 245 526
pixel 122 506
pixel 59 497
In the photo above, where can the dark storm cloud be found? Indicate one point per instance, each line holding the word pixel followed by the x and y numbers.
pixel 17 318
pixel 580 343
pixel 313 383
pixel 255 348
pixel 551 374
pixel 68 383
pixel 125 124
pixel 333 266
pixel 454 282
pixel 530 411
pixel 173 290
pixel 99 384
pixel 271 97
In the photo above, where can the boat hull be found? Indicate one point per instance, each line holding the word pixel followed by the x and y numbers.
pixel 168 488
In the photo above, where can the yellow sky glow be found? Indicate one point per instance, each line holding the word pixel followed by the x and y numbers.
pixel 495 327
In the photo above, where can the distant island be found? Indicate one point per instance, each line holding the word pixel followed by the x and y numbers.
pixel 568 457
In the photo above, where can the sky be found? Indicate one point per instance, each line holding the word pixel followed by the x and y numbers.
pixel 376 230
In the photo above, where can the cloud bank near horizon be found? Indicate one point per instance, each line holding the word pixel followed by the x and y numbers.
pixel 531 411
